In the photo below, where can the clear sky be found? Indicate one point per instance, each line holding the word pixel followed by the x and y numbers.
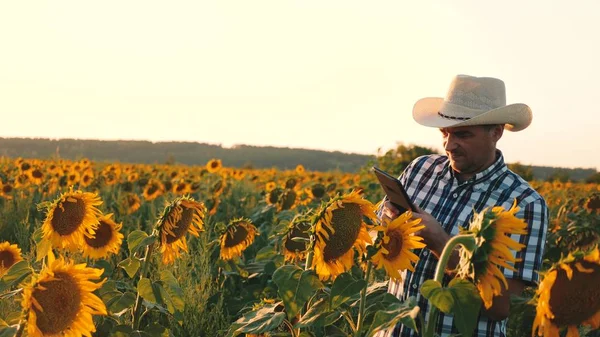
pixel 332 75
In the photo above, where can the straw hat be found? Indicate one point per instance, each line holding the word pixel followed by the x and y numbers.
pixel 472 101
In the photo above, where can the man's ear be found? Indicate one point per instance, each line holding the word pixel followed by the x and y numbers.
pixel 497 132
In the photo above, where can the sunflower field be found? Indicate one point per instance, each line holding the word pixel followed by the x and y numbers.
pixel 111 249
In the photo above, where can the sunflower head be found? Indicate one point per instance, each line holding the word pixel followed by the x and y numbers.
pixel 9 255
pixel 592 204
pixel 340 226
pixel 153 189
pixel 60 300
pixel 106 240
pixel 300 169
pixel 287 200
pixel 395 242
pixel 568 295
pixel 317 191
pixel 295 239
pixel 491 229
pixel 273 196
pixel 238 235
pixel 214 165
pixel 70 217
pixel 183 215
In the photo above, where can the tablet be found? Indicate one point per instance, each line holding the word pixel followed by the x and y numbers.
pixel 394 190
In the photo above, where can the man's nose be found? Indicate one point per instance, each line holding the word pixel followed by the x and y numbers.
pixel 450 144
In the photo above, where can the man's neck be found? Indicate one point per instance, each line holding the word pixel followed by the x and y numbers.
pixel 462 177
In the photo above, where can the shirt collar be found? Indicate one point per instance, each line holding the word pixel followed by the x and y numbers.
pixel 482 179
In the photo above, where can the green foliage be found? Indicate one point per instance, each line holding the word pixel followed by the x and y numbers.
pixel 524 171
pixel 295 287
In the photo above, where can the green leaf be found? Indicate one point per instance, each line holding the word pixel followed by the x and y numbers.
pixel 318 315
pixel 295 287
pixel 8 331
pixel 149 291
pixel 138 239
pixel 262 320
pixel 266 254
pixel 438 296
pixel 173 289
pixel 404 313
pixel 468 304
pixel 344 288
pixel 131 265
pixel 119 304
pixel 42 247
pixel 15 274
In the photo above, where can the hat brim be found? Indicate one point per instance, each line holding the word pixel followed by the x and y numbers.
pixel 516 117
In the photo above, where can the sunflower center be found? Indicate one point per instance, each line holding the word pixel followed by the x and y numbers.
pixel 318 191
pixel 103 236
pixel 152 189
pixel 299 231
pixel 68 215
pixel 6 189
pixel 7 259
pixel 346 221
pixel 37 174
pixel 214 164
pixel 288 199
pixel 60 301
pixel 239 235
pixel 394 246
pixel 574 301
pixel 187 216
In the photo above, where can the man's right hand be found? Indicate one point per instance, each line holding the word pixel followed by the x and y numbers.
pixel 389 211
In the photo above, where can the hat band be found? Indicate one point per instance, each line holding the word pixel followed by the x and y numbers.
pixel 452 117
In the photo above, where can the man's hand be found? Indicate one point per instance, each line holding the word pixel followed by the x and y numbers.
pixel 434 235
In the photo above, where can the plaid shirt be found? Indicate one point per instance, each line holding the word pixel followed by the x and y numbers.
pixel 431 183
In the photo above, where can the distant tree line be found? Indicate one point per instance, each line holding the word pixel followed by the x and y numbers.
pixel 192 153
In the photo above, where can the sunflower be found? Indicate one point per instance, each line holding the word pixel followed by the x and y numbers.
pixel 296 250
pixel 73 177
pixel 70 217
pixel 316 191
pixel 217 188
pixel 36 175
pixel 105 241
pixel 592 204
pixel 182 187
pixel 6 190
pixel 270 186
pixel 287 200
pixel 300 169
pixel 60 300
pixel 339 226
pixel 153 189
pixel 9 255
pixel 183 215
pixel 273 196
pixel 492 230
pixel 131 203
pixel 238 235
pixel 87 178
pixel 569 296
pixel 214 165
pixel 396 243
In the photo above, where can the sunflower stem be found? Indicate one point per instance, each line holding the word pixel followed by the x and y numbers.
pixel 363 300
pixel 135 322
pixel 467 241
pixel 309 258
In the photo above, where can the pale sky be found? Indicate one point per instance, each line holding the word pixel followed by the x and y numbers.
pixel 331 75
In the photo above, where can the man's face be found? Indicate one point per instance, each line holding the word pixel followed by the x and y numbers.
pixel 471 149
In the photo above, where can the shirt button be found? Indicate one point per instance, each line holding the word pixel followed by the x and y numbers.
pixel 414 286
pixel 455 195
pixel 425 253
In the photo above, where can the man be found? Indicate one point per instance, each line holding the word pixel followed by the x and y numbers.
pixel 470 177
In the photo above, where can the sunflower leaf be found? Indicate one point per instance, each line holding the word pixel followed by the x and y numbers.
pixel 467 305
pixel 8 331
pixel 15 274
pixel 258 321
pixel 438 296
pixel 344 288
pixel 131 266
pixel 295 287
pixel 319 315
pixel 138 239
pixel 402 312
pixel 173 289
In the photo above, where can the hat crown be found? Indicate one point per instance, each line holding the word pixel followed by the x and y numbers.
pixel 477 93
